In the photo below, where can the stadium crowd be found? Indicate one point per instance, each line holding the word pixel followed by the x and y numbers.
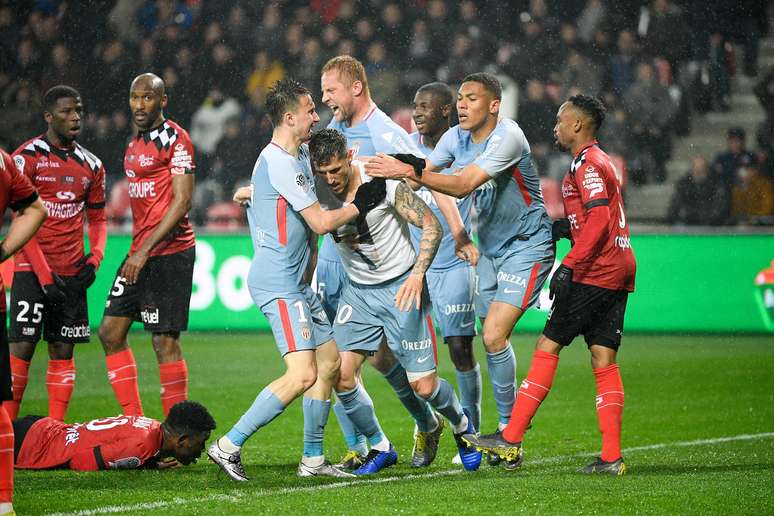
pixel 219 58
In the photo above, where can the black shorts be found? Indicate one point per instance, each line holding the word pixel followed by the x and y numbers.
pixel 596 313
pixel 20 428
pixel 5 362
pixel 32 315
pixel 161 296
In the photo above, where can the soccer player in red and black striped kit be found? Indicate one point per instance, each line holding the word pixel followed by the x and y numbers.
pixel 52 272
pixel 16 192
pixel 590 289
pixel 153 284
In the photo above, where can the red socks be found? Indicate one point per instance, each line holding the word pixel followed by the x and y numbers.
pixel 6 457
pixel 122 373
pixel 174 383
pixel 610 404
pixel 19 375
pixel 60 382
pixel 531 393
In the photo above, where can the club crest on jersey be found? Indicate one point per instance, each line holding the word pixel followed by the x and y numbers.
pixel 306 333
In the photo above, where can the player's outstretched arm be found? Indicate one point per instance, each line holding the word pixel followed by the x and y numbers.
pixel 182 193
pixel 412 208
pixel 464 247
pixel 457 185
pixel 324 221
pixel 27 221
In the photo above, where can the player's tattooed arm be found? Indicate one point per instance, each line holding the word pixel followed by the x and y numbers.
pixel 412 208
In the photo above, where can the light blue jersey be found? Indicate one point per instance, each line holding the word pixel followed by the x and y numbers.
pixel 510 206
pixel 445 259
pixel 375 133
pixel 283 185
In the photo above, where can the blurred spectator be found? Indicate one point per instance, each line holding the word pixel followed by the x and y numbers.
pixel 650 111
pixel 463 60
pixel 579 73
pixel 383 81
pixel 752 197
pixel 725 164
pixel 209 121
pixel 266 71
pixel 60 70
pixel 162 13
pixel 664 32
pixel 111 77
pixel 764 90
pixel 537 116
pixel 699 197
pixel 591 19
pixel 615 133
pixel 623 63
pixel 22 114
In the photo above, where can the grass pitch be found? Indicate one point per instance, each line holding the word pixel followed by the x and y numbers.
pixel 698 438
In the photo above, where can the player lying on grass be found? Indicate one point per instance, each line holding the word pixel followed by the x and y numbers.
pixel 121 442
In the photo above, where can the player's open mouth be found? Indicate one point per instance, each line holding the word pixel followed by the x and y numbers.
pixel 139 116
pixel 420 123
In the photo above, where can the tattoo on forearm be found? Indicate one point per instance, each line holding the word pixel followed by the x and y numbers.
pixel 412 208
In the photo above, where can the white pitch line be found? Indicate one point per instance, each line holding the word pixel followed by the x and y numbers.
pixel 177 501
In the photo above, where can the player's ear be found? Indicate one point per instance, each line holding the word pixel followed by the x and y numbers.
pixel 164 100
pixel 446 110
pixel 357 88
pixel 48 116
pixel 494 106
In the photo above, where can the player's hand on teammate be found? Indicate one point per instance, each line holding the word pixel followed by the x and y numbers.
pixel 466 250
pixel 55 291
pixel 561 282
pixel 86 275
pixel 389 167
pixel 133 265
pixel 410 293
pixel 244 195
pixel 369 195
pixel 560 229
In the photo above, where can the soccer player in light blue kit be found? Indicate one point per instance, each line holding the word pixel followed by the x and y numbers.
pixel 384 295
pixel 368 130
pixel 450 278
pixel 284 215
pixel 514 231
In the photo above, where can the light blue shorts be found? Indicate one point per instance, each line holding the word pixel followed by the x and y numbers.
pixel 330 280
pixel 297 319
pixel 368 312
pixel 485 285
pixel 522 271
pixel 452 294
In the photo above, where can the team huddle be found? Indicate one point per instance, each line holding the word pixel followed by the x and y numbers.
pixel 396 211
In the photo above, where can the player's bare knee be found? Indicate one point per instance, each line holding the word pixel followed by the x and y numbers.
pixel 548 345
pixel 461 353
pixel 424 386
pixel 494 340
pixel 112 339
pixel 22 350
pixel 167 347
pixel 60 351
pixel 328 369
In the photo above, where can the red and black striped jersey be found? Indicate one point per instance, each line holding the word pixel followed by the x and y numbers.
pixel 69 181
pixel 152 159
pixel 604 259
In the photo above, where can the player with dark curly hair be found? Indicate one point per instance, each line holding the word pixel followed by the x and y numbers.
pixel 590 289
pixel 121 442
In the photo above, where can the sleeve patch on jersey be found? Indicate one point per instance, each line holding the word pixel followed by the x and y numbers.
pixel 302 182
pixel 596 202
pixel 19 161
pixel 592 181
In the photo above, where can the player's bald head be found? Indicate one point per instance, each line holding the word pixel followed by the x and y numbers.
pixel 149 82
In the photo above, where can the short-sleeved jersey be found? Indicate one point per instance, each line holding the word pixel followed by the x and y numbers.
pixel 16 192
pixel 152 159
pixel 376 248
pixel 377 132
pixel 591 181
pixel 510 205
pixel 121 442
pixel 445 259
pixel 283 186
pixel 69 182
